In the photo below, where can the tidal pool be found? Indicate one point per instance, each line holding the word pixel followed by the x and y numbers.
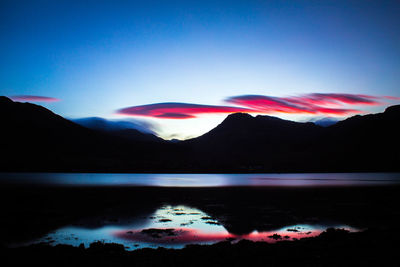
pixel 174 227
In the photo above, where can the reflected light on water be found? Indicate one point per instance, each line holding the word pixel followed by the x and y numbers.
pixel 201 180
pixel 175 227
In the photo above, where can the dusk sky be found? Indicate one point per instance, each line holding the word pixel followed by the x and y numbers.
pixel 183 66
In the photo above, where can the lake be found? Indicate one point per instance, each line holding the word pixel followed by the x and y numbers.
pixel 173 210
pixel 201 180
pixel 174 227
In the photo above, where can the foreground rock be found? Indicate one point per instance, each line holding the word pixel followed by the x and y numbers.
pixel 331 248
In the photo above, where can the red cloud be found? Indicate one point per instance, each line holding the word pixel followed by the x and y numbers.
pixel 177 110
pixel 392 97
pixel 327 104
pixel 330 104
pixel 33 98
pixel 335 99
pixel 268 104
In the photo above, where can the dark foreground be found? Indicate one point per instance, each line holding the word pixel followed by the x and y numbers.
pixel 331 248
pixel 29 212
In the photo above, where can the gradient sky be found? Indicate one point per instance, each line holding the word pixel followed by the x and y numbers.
pixel 101 58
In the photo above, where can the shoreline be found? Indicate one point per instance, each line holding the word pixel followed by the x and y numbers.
pixel 333 247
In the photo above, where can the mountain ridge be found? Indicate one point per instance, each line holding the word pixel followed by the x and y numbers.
pixel 123 129
pixel 36 139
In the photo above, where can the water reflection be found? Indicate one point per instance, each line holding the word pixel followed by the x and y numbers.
pixel 175 227
pixel 201 180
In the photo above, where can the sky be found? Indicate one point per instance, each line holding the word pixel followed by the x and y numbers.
pixel 183 66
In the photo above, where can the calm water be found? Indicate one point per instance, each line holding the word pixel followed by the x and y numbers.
pixel 175 227
pixel 202 180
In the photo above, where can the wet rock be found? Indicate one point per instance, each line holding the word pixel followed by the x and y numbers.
pixel 159 233
pixel 100 246
pixel 186 224
pixel 212 222
pixel 275 236
pixel 334 233
pixel 165 220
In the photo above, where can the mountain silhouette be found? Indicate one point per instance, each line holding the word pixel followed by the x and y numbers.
pixel 325 122
pixel 243 142
pixel 264 143
pixel 124 129
pixel 35 139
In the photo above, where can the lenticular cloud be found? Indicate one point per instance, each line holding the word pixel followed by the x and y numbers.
pixel 327 104
pixel 34 98
pixel 177 110
pixel 312 104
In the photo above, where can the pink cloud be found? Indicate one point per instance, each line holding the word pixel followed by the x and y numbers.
pixel 392 97
pixel 316 103
pixel 33 98
pixel 268 104
pixel 335 99
pixel 312 104
pixel 178 110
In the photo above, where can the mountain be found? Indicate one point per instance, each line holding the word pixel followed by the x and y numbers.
pixel 124 129
pixel 325 122
pixel 33 138
pixel 268 144
pixel 245 143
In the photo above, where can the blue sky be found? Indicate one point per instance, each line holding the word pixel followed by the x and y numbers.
pixel 98 57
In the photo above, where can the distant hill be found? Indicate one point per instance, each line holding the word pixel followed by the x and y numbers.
pixel 33 138
pixel 125 129
pixel 325 122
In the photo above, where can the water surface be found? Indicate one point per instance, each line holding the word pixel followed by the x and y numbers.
pixel 174 227
pixel 201 180
pixel 171 221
